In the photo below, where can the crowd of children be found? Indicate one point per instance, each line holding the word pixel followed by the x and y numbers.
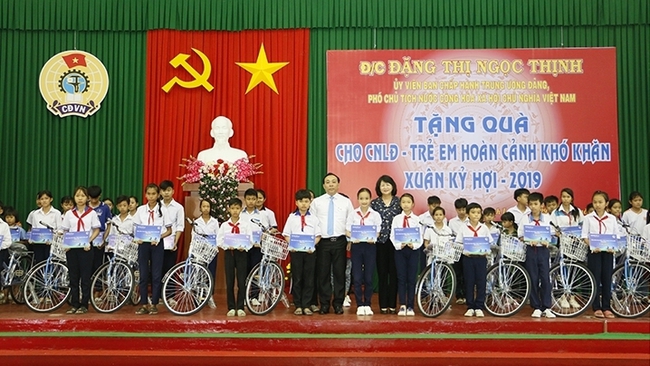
pixel 383 236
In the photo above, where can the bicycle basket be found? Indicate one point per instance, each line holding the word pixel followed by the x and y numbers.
pixel 638 248
pixel 573 247
pixel 273 247
pixel 448 251
pixel 513 248
pixel 202 251
pixel 126 249
pixel 57 250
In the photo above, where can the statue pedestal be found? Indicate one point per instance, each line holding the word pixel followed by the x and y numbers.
pixel 192 210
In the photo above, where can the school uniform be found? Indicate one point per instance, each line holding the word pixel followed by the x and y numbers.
pixel 426 219
pixel 332 213
pixel 645 234
pixel 125 228
pixel 364 255
pixel 406 260
pixel 5 243
pixel 79 260
pixel 270 215
pixel 104 215
pixel 518 213
pixel 235 263
pixel 52 219
pixel 537 264
pixel 601 264
pixel 255 253
pixel 176 214
pixel 211 227
pixel 474 267
pixel 386 271
pixel 150 255
pixel 635 220
pixel 456 225
pixel 564 218
pixel 433 237
pixel 303 264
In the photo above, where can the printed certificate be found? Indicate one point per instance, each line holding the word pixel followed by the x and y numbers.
pixel 603 242
pixel 147 233
pixel 76 239
pixel 363 233
pixel 302 242
pixel 476 245
pixel 407 235
pixel 537 234
pixel 40 236
pixel 237 241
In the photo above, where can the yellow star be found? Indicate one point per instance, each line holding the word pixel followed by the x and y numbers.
pixel 75 60
pixel 262 71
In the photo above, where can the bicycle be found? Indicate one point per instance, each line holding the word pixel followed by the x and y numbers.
pixel 47 285
pixel 631 280
pixel 436 286
pixel 188 286
pixel 265 282
pixel 13 274
pixel 115 279
pixel 507 282
pixel 573 287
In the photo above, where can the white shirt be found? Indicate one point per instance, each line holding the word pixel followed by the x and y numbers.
pixel 51 218
pixel 635 220
pixel 225 228
pixel 89 222
pixel 591 225
pixel 143 217
pixel 354 218
pixel 176 214
pixel 562 218
pixel 427 219
pixel 270 215
pixel 456 224
pixel 434 237
pixel 342 208
pixel 481 231
pixel 125 226
pixel 5 232
pixel 256 214
pixel 398 222
pixel 294 225
pixel 527 220
pixel 517 212
pixel 646 233
pixel 206 228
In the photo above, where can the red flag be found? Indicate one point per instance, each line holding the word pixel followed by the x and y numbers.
pixel 75 59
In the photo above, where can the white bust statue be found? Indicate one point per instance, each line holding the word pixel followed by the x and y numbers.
pixel 221 131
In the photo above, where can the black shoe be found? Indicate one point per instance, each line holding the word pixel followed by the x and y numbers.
pixel 384 311
pixel 324 310
pixel 338 310
pixel 392 310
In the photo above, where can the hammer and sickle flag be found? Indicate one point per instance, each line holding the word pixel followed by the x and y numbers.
pixel 200 79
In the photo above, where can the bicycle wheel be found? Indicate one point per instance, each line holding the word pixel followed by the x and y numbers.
pixel 187 288
pixel 507 289
pixel 112 285
pixel 135 295
pixel 630 293
pixel 573 289
pixel 20 274
pixel 46 287
pixel 434 292
pixel 264 287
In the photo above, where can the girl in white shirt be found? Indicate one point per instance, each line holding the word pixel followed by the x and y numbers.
pixel 439 233
pixel 208 225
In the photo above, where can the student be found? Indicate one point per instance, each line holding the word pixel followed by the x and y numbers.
pixel 176 214
pixel 150 254
pixel 261 199
pixel 615 207
pixel 111 205
pixel 456 225
pixel 5 243
pixel 567 214
pixel 550 204
pixel 104 215
pixel 133 205
pixel 488 220
pixel 41 218
pixel 364 254
pixel 474 266
pixel 589 209
pixel 508 224
pixel 426 219
pixel 302 263
pixel 438 231
pixel 12 219
pixel 251 214
pixel 601 264
pixel 537 258
pixel 521 209
pixel 406 256
pixel 235 260
pixel 635 216
pixel 122 223
pixel 208 225
pixel 80 260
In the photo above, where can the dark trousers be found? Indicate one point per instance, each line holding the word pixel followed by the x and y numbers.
pixel 302 272
pixel 4 258
pixel 41 252
pixel 406 262
pixel 602 266
pixel 460 278
pixel 150 261
pixel 316 292
pixel 80 269
pixel 386 275
pixel 254 257
pixel 169 260
pixel 212 267
pixel 236 266
pixel 364 259
pixel 331 261
pixel 475 271
pixel 537 265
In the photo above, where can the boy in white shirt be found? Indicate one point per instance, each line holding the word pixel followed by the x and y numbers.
pixel 176 214
pixel 456 225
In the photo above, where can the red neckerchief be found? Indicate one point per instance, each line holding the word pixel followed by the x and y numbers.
pixel 235 227
pixel 80 223
pixel 475 231
pixel 363 217
pixel 406 221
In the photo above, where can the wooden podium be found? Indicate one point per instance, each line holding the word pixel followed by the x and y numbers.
pixel 192 210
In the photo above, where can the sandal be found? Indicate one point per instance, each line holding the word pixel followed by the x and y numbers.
pixel 142 310
pixel 599 314
pixel 609 315
pixel 72 310
pixel 82 310
pixel 298 311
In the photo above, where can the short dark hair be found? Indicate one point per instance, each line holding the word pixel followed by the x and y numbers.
pixel 10 211
pixel 386 179
pixel 520 191
pixel 433 200
pixel 489 211
pixel 551 198
pixel 472 206
pixel 94 191
pixel 166 184
pixel 439 208
pixel 301 194
pixel 508 216
pixel 536 197
pixel 121 199
pixel 408 195
pixel 235 202
pixel 250 192
pixel 333 175
pixel 460 203
pixel 44 192
pixel 67 199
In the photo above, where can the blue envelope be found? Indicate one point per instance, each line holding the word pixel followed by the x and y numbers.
pixel 76 239
pixel 407 235
pixel 15 235
pixel 40 235
pixel 302 242
pixel 363 233
pixel 572 230
pixel 237 241
pixel 537 234
pixel 147 233
pixel 476 245
pixel 603 242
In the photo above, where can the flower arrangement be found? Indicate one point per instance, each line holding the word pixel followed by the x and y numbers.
pixel 218 181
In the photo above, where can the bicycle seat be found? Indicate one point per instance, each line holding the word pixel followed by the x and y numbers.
pixel 18 248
